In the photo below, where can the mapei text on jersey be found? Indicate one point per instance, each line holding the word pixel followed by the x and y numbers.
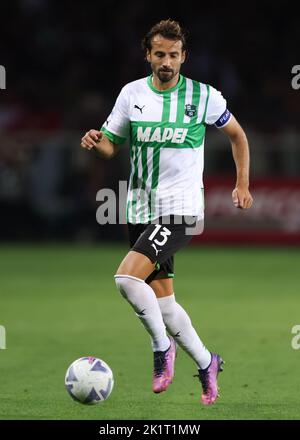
pixel 158 134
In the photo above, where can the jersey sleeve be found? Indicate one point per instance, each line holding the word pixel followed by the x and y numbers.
pixel 216 107
pixel 116 126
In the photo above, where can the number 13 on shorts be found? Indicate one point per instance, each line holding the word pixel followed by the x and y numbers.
pixel 165 232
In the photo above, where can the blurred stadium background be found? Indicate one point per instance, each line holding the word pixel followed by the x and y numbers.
pixel 64 74
pixel 65 65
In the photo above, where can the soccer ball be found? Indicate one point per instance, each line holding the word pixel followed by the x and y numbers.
pixel 89 380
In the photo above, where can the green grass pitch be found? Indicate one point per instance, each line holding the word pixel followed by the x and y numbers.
pixel 59 303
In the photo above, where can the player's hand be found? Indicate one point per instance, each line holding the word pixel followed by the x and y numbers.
pixel 90 139
pixel 242 198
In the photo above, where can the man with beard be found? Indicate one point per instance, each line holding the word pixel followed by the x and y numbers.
pixel 164 117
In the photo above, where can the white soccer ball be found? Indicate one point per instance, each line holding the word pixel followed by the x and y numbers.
pixel 89 380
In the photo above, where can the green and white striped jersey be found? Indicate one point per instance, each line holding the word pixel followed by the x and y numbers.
pixel 166 130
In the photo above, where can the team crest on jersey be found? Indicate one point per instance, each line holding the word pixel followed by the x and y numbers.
pixel 190 110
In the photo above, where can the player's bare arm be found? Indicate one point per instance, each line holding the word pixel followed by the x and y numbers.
pixel 97 140
pixel 240 195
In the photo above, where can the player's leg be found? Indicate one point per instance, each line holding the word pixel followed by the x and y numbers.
pixel 130 280
pixel 178 322
pixel 179 325
pixel 163 287
pixel 130 276
pixel 137 265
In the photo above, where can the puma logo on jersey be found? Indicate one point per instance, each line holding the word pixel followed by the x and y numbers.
pixel 156 250
pixel 140 108
pixel 159 134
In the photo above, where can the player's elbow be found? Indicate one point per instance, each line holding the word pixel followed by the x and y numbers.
pixel 107 150
pixel 112 152
pixel 108 155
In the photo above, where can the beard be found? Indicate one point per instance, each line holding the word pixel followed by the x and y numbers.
pixel 165 75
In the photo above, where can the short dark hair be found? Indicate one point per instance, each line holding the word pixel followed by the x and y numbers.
pixel 169 29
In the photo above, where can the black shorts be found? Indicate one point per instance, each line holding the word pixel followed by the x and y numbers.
pixel 159 241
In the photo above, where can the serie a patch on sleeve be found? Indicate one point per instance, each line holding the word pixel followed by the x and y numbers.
pixel 223 119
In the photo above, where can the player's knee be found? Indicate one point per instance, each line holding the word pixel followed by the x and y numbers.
pixel 120 283
pixel 126 283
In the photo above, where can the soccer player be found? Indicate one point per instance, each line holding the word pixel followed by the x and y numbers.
pixel 164 117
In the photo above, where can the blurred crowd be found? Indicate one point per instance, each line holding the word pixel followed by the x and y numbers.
pixel 66 63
